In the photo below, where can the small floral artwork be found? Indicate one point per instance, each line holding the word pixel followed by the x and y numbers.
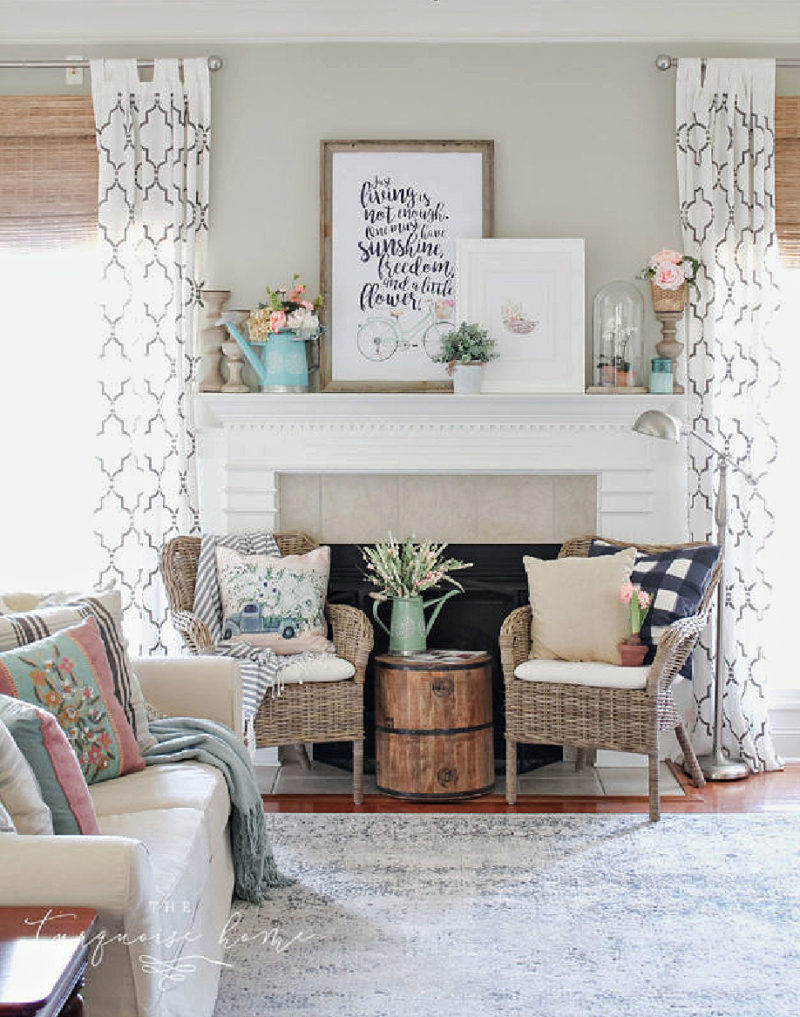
pixel 516 320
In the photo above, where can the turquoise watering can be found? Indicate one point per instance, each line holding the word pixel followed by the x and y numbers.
pixel 409 632
pixel 280 364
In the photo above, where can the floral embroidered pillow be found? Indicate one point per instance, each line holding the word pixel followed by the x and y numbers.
pixel 278 603
pixel 68 675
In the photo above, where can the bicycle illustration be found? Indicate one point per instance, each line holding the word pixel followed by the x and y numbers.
pixel 380 338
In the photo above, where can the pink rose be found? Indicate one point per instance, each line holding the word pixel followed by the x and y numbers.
pixel 666 257
pixel 277 321
pixel 669 277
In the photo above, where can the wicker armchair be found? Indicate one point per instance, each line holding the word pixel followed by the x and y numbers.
pixel 308 712
pixel 586 717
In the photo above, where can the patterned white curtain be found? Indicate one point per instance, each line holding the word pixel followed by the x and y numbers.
pixel 153 144
pixel 725 149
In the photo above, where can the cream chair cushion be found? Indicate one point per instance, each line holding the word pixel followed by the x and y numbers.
pixel 576 611
pixel 323 667
pixel 569 672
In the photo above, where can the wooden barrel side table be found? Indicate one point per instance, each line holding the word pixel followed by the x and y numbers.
pixel 434 736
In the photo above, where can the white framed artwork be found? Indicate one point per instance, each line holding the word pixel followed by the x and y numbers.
pixel 529 295
pixel 392 212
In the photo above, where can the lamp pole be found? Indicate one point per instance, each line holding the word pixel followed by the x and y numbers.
pixel 715 765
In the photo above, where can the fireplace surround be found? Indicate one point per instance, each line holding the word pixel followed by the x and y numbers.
pixel 247 442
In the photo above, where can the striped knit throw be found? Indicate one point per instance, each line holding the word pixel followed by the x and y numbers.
pixel 260 667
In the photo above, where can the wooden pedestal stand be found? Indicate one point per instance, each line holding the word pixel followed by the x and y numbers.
pixel 668 307
pixel 669 347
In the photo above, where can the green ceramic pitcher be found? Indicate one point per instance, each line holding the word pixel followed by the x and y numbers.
pixel 408 631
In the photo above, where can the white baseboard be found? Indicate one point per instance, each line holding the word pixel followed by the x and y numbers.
pixel 784 722
pixel 267 757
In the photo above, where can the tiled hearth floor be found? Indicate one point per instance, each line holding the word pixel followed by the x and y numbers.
pixel 555 779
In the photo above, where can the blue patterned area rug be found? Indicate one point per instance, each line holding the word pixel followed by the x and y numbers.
pixel 542 916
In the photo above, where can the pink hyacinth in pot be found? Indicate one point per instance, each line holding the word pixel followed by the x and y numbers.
pixel 632 650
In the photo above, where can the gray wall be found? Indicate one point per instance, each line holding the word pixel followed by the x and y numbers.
pixel 583 142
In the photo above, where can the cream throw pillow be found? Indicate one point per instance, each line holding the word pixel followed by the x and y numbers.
pixel 576 613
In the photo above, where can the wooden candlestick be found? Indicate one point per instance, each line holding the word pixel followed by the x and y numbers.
pixel 212 336
pixel 234 357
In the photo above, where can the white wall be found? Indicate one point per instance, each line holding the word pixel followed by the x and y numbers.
pixel 583 140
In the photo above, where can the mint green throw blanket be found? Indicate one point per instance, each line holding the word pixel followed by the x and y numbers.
pixel 182 738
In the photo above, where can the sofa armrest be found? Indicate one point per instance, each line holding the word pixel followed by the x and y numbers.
pixel 207 687
pixel 114 876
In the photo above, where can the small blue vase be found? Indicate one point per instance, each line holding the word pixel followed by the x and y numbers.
pixel 285 363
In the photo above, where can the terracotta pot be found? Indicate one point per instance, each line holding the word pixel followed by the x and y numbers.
pixel 668 300
pixel 632 654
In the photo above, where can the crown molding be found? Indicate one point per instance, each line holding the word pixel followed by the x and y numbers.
pixel 57 22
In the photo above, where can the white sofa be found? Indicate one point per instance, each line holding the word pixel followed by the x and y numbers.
pixel 161 873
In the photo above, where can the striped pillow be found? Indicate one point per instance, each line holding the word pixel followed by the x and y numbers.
pixel 68 674
pixel 19 792
pixel 48 754
pixel 22 628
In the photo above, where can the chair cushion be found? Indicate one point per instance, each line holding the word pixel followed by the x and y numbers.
pixel 576 612
pixel 675 579
pixel 55 768
pixel 68 674
pixel 188 784
pixel 322 667
pixel 595 673
pixel 278 603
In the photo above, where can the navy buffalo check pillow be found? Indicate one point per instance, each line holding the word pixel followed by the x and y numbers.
pixel 676 580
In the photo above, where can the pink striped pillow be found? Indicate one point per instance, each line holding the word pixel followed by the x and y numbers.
pixel 55 766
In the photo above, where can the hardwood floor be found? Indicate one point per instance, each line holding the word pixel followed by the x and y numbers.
pixel 766 792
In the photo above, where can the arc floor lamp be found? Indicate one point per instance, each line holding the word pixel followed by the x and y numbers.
pixel 657 424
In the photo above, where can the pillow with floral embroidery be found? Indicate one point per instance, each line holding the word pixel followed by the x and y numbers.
pixel 68 674
pixel 278 603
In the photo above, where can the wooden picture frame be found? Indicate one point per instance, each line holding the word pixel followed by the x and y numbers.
pixel 390 210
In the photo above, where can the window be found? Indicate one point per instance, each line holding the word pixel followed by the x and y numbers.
pixel 48 391
pixel 785 564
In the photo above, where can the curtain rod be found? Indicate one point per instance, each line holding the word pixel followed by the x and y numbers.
pixel 665 62
pixel 214 63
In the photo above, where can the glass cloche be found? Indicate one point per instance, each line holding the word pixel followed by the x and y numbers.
pixel 618 361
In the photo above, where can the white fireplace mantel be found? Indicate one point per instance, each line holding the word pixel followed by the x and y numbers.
pixel 247 441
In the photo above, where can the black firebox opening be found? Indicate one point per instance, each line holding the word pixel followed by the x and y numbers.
pixel 494 586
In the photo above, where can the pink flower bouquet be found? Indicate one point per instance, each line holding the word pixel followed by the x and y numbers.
pixel 669 270
pixel 285 309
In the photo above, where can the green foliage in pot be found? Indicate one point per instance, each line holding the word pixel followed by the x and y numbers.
pixel 468 344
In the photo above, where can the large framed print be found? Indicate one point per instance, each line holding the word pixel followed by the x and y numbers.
pixel 529 294
pixel 391 215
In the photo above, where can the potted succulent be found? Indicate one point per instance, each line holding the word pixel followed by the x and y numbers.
pixel 465 350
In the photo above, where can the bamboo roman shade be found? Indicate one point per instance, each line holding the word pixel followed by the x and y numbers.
pixel 48 171
pixel 787 178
